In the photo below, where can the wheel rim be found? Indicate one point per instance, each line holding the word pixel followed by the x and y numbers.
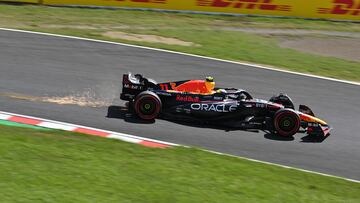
pixel 148 106
pixel 287 123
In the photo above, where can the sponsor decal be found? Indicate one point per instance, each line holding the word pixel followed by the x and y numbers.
pixel 257 105
pixel 187 98
pixel 313 125
pixel 260 105
pixel 245 4
pixel 163 93
pixel 134 87
pixel 342 7
pixel 213 107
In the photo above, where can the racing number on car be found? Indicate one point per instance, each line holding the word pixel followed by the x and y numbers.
pixel 164 86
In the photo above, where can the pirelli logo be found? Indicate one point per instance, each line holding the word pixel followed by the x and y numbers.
pixel 342 7
pixel 245 4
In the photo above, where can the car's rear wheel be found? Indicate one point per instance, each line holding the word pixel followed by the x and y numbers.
pixel 147 105
pixel 286 122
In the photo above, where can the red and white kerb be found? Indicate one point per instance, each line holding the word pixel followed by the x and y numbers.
pixel 82 129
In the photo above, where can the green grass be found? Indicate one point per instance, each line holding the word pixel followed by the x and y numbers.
pixel 208 31
pixel 57 166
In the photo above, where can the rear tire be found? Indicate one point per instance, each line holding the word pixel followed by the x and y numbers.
pixel 286 122
pixel 147 105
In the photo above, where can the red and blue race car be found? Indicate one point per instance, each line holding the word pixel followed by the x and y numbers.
pixel 200 100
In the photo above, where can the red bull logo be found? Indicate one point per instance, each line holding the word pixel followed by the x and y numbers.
pixel 342 7
pixel 245 4
pixel 187 98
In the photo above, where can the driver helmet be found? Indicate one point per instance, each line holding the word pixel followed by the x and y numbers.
pixel 209 83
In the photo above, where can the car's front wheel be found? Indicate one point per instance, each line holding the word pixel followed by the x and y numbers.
pixel 286 122
pixel 147 105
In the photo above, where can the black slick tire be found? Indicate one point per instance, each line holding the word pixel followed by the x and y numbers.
pixel 286 122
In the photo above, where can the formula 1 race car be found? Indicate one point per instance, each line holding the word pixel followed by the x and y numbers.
pixel 236 108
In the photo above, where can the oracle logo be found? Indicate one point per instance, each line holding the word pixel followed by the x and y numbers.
pixel 222 108
pixel 245 4
pixel 342 7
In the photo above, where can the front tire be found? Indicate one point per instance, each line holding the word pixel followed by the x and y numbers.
pixel 147 105
pixel 286 122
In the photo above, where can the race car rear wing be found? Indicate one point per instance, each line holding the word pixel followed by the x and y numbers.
pixel 132 85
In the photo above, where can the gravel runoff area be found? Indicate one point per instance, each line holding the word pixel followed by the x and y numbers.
pixel 345 45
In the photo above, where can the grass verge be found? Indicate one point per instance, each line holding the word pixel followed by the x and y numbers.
pixel 211 33
pixel 57 166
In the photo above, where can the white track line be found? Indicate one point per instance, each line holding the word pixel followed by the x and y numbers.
pixel 185 54
pixel 284 166
pixel 204 57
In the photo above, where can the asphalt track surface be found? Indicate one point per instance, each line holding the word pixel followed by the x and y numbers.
pixel 38 66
